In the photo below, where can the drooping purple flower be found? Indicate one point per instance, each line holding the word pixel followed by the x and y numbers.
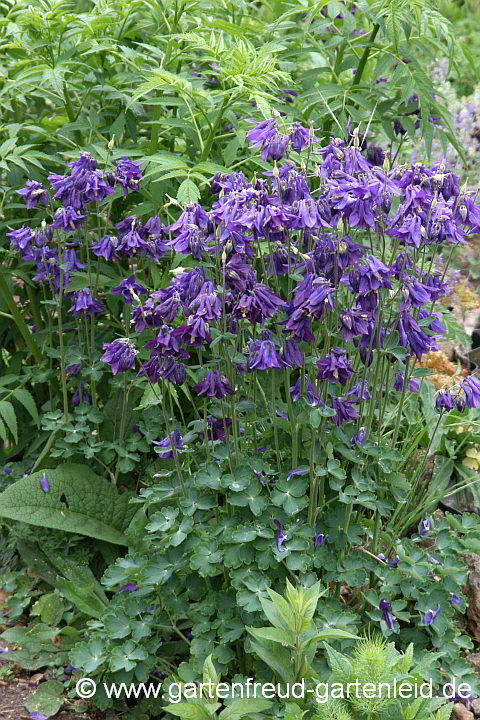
pixel 455 599
pixel 70 669
pixel 214 385
pixel 127 174
pixel 67 219
pixel 196 332
pixel 292 355
pixel 263 132
pixel 335 367
pixel 444 401
pixel 312 398
pixel 81 396
pixel 128 288
pixel 300 137
pixel 345 412
pixel 34 193
pixel 319 539
pixel 460 403
pixel 390 620
pixel 263 355
pixel 299 471
pixel 73 370
pixel 354 323
pixel 471 388
pixel 279 537
pixel 128 587
pixel 44 482
pixel 120 355
pixel 424 527
pixel 21 238
pixel 359 438
pixel 430 616
pixel 173 440
pixel 84 304
pixel 106 247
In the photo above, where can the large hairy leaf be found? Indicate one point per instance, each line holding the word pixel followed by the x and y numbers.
pixel 77 501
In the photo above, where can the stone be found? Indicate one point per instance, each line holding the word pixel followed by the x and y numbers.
pixel 475 707
pixel 474 660
pixel 460 712
pixel 473 592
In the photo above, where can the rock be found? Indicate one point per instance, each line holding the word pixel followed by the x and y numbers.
pixel 460 712
pixel 474 660
pixel 475 707
pixel 473 592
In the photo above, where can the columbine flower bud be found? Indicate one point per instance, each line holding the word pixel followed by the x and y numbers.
pixel 275 113
pixel 340 227
pixel 434 203
pixel 111 143
pixel 356 140
pixel 386 163
pixel 224 256
pixel 44 224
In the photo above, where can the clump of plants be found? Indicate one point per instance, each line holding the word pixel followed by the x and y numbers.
pixel 243 382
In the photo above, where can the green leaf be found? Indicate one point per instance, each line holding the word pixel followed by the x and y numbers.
pixel 82 596
pixel 274 634
pixel 239 708
pixel 26 399
pixel 8 414
pixel 189 711
pixel 77 501
pixel 47 699
pixel 188 193
pixel 50 608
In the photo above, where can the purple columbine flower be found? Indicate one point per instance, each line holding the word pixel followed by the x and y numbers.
pixel 73 370
pixel 359 438
pixel 106 247
pixel 4 650
pixel 299 471
pixel 424 527
pixel 319 539
pixel 263 355
pixel 455 599
pixel 67 219
pixel 300 137
pixel 34 193
pixel 263 132
pixel 7 470
pixel 172 440
pixel 279 537
pixel 127 174
pixel 471 388
pixel 128 288
pixel 460 403
pixel 128 587
pixel 214 385
pixel 81 396
pixel 83 303
pixel 335 367
pixel 430 616
pixel 444 401
pixel 120 355
pixel 345 412
pixel 292 355
pixel 70 669
pixel 36 716
pixel 390 620
pixel 44 483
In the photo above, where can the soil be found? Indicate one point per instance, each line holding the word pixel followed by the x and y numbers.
pixel 14 691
